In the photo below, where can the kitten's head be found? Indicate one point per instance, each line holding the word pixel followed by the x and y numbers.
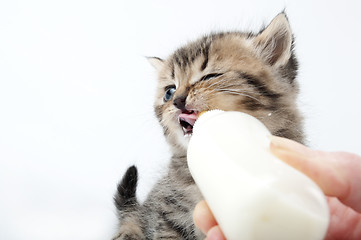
pixel 252 73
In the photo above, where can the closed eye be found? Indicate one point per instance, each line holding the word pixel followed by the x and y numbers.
pixel 211 76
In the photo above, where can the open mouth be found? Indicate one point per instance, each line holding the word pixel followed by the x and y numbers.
pixel 187 120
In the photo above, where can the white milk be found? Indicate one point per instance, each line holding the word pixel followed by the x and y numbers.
pixel 252 194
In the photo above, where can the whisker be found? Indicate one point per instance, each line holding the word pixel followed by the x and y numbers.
pixel 235 89
pixel 236 92
pixel 218 82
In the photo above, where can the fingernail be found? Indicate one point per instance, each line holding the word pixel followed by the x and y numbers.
pixel 215 233
pixel 283 143
pixel 290 152
pixel 279 144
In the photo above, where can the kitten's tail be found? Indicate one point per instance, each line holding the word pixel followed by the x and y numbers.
pixel 125 198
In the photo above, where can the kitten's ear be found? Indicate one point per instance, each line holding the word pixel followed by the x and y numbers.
pixel 156 62
pixel 274 43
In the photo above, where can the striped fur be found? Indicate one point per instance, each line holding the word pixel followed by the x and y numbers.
pixel 252 73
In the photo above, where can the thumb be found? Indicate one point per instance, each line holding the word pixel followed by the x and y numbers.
pixel 337 173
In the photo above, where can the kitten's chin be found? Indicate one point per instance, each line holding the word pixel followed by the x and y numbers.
pixel 180 142
pixel 184 139
pixel 187 137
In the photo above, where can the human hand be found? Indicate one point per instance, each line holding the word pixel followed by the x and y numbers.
pixel 337 173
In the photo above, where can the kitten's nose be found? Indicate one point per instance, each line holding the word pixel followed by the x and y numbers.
pixel 180 102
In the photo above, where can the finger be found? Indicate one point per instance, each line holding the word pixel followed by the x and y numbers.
pixel 215 233
pixel 350 168
pixel 310 162
pixel 337 174
pixel 203 217
pixel 345 223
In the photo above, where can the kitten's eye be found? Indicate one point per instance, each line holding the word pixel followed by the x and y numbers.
pixel 169 92
pixel 211 76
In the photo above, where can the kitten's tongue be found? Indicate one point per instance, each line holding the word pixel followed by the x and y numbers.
pixel 190 118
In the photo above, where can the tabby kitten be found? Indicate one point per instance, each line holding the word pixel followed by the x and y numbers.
pixel 252 73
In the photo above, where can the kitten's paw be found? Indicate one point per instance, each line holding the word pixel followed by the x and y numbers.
pixel 129 231
pixel 127 236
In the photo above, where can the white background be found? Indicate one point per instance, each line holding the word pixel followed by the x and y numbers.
pixel 76 97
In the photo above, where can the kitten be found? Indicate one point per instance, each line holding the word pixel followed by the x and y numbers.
pixel 252 73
